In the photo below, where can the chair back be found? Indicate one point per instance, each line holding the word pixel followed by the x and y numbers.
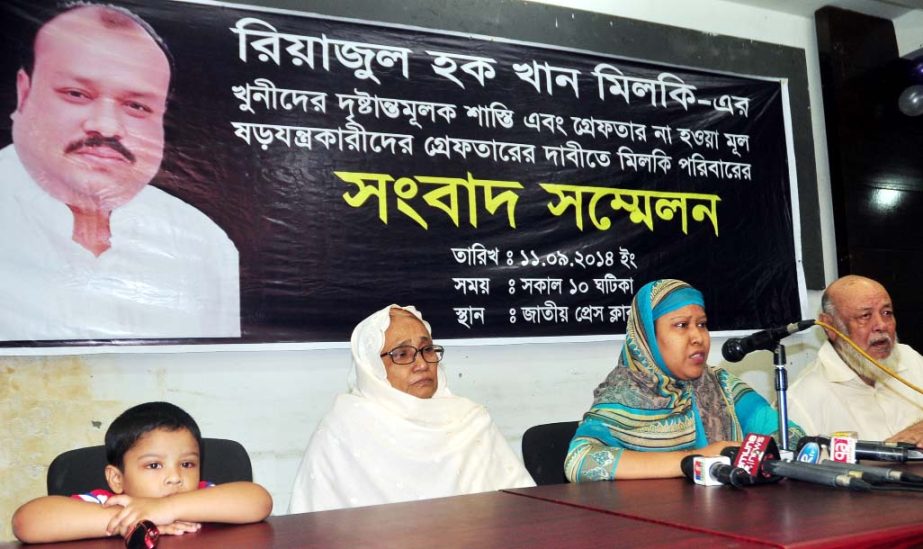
pixel 544 448
pixel 81 471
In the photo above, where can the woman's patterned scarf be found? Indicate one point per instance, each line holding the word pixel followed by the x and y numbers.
pixel 645 406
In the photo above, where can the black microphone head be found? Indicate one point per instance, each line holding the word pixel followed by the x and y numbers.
pixel 736 348
pixel 733 350
pixel 740 478
pixel 728 474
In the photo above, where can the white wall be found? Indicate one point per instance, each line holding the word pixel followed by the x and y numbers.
pixel 908 29
pixel 271 400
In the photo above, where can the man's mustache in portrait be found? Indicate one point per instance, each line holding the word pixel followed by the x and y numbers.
pixel 101 141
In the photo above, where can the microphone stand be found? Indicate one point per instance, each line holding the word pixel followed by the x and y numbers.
pixel 778 356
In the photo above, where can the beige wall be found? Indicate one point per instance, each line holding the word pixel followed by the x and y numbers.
pixel 270 401
pixel 46 406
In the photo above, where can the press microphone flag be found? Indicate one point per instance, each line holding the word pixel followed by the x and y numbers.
pixel 713 471
pixel 754 452
pixel 810 452
pixel 736 348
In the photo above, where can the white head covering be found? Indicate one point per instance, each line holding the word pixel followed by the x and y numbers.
pixel 381 445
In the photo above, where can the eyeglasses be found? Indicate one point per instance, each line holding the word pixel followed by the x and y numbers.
pixel 406 354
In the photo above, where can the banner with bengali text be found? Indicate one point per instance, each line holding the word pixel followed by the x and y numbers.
pixel 507 190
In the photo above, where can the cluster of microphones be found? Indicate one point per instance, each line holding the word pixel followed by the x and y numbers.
pixel 830 461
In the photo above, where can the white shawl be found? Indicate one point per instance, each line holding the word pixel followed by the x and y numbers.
pixel 380 445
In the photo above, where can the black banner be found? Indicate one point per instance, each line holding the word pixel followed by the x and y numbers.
pixel 505 189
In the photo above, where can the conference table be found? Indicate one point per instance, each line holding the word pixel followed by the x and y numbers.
pixel 788 514
pixel 649 513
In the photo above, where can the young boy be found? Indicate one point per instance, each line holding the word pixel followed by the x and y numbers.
pixel 153 451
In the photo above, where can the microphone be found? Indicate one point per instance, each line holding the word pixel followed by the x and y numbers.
pixel 713 471
pixel 759 455
pixel 817 474
pixel 888 451
pixel 872 473
pixel 809 452
pixel 875 451
pixel 736 348
pixel 815 450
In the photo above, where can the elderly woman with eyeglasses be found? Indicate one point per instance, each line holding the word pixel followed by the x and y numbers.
pixel 399 434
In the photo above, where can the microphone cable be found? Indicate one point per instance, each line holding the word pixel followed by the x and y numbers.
pixel 882 367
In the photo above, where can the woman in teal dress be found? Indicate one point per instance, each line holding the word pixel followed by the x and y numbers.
pixel 662 402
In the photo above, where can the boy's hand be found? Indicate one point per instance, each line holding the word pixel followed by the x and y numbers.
pixel 157 510
pixel 179 528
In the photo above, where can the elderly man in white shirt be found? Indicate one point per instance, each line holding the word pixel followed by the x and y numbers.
pixel 842 390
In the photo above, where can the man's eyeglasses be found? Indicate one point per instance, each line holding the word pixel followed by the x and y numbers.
pixel 406 354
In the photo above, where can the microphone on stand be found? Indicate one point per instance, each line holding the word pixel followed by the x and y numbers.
pixel 736 348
